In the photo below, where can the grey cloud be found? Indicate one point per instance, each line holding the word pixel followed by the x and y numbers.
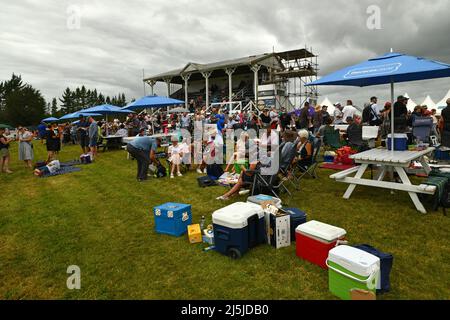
pixel 118 39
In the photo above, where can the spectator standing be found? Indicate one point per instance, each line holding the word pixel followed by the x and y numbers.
pixel 338 114
pixel 26 153
pixel 82 129
pixel 4 152
pixel 444 125
pixel 317 119
pixel 348 111
pixel 401 114
pixel 93 137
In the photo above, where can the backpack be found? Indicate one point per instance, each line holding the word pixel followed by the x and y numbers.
pixel 206 181
pixel 161 171
pixel 214 171
pixel 369 114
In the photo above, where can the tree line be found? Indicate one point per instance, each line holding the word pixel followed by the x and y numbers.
pixel 21 104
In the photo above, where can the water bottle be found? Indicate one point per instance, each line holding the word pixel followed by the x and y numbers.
pixel 202 223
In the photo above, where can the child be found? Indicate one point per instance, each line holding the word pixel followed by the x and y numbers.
pixel 175 156
pixel 50 168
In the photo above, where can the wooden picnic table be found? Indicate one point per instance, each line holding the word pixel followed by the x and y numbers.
pixel 388 161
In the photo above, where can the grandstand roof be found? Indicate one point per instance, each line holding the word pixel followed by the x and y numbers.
pixel 270 60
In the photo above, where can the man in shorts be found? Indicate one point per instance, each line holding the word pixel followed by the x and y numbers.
pixel 93 137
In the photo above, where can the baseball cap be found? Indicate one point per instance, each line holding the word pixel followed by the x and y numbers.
pixel 400 98
pixel 337 104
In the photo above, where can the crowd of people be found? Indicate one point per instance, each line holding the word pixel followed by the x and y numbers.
pixel 316 120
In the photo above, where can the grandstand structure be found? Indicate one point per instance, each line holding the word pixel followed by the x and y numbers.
pixel 250 83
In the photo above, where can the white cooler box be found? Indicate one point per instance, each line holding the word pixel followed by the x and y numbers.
pixel 352 269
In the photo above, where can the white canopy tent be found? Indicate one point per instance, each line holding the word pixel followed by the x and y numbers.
pixel 429 103
pixel 411 104
pixel 443 102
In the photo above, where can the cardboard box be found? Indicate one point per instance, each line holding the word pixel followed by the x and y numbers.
pixel 279 233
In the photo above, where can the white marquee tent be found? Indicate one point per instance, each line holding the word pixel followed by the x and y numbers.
pixel 411 104
pixel 443 102
pixel 429 103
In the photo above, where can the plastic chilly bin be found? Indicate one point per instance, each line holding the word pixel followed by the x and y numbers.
pixel 315 240
pixel 386 262
pixel 442 155
pixel 400 142
pixel 352 269
pixel 260 199
pixel 173 218
pixel 238 228
pixel 298 217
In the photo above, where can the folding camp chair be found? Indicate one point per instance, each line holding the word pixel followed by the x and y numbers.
pixel 310 170
pixel 267 184
pixel 332 139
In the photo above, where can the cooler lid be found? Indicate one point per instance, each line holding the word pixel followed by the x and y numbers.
pixel 236 216
pixel 398 136
pixel 321 230
pixel 354 260
pixel 263 198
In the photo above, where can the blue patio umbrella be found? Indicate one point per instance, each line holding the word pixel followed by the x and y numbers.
pixel 387 69
pixel 51 119
pixel 76 115
pixel 107 109
pixel 153 102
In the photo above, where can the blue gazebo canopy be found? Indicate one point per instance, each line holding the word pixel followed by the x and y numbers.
pixel 106 109
pixel 76 115
pixel 153 102
pixel 51 119
pixel 386 69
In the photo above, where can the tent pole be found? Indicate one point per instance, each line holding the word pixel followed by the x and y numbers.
pixel 392 117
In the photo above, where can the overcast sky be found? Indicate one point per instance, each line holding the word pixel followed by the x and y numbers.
pixel 116 40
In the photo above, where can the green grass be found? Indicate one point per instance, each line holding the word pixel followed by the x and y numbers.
pixel 100 219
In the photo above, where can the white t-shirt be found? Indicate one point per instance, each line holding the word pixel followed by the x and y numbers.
pixel 175 149
pixel 53 166
pixel 349 111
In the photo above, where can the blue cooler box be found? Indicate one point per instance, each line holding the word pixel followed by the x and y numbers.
pixel 298 217
pixel 238 228
pixel 173 218
pixel 400 142
pixel 386 262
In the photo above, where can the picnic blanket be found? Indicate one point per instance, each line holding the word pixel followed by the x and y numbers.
pixel 63 170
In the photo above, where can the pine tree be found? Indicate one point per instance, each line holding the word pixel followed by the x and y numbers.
pixel 54 108
pixel 67 102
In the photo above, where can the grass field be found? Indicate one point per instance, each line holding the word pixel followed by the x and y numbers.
pixel 100 219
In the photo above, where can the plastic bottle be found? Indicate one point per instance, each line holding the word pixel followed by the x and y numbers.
pixel 202 223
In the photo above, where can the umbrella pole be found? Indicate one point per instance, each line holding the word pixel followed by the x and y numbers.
pixel 392 116
pixel 392 129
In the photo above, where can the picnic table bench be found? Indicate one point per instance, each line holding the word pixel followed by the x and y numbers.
pixel 388 161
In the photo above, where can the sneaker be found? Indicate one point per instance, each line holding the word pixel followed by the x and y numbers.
pixel 244 192
pixel 199 171
pixel 222 198
pixel 179 174
pixel 172 176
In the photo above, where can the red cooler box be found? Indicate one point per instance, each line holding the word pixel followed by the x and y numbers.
pixel 315 240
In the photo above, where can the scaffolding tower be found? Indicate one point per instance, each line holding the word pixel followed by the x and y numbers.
pixel 300 67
